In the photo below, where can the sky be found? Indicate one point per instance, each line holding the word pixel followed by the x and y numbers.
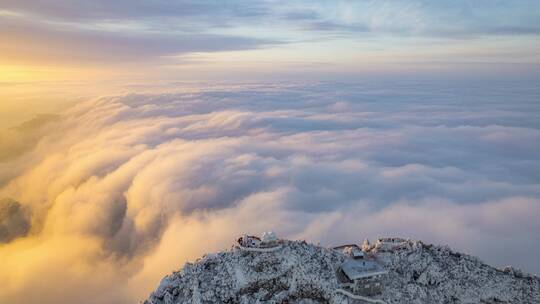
pixel 200 40
pixel 138 135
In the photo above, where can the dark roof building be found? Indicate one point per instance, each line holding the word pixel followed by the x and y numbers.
pixel 359 269
pixel 360 274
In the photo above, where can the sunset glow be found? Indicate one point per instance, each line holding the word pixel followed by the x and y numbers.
pixel 138 135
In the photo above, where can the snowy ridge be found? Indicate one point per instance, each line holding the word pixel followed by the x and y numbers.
pixel 304 273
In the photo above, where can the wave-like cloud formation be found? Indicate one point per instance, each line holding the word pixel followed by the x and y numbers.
pixel 121 190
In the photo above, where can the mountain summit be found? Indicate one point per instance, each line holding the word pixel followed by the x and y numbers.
pixel 391 270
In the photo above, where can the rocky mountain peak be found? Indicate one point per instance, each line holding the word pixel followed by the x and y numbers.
pixel 299 272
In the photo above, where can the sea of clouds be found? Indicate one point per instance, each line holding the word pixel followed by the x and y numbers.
pixel 99 202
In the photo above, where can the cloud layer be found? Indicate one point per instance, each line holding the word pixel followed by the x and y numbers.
pixel 121 190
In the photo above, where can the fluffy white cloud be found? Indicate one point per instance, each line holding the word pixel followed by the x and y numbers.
pixel 121 190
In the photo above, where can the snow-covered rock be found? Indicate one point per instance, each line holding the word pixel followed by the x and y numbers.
pixel 304 273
